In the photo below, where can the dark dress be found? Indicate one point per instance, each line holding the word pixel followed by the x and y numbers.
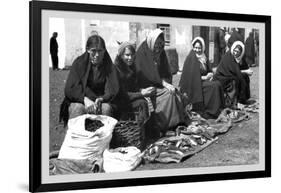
pixel 85 80
pixel 206 96
pixel 168 108
pixel 228 71
pixel 129 98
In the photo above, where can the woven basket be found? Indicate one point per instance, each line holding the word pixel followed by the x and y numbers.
pixel 127 133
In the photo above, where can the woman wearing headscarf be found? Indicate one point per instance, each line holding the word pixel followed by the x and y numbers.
pixel 153 70
pixel 130 97
pixel 230 75
pixel 205 95
pixel 92 82
pixel 243 64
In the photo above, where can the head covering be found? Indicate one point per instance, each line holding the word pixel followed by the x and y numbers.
pixel 228 71
pixel 201 57
pixel 95 40
pixel 76 84
pixel 190 82
pixel 202 43
pixel 234 45
pixel 123 45
pixel 148 72
pixel 152 37
pixel 123 69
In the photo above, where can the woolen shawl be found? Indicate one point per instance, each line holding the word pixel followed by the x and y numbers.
pixel 148 72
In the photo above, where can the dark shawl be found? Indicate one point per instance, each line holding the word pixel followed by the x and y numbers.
pixel 129 89
pixel 76 84
pixel 244 65
pixel 75 87
pixel 190 82
pixel 148 73
pixel 229 70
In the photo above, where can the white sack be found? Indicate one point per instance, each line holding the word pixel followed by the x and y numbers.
pixel 82 144
pixel 121 159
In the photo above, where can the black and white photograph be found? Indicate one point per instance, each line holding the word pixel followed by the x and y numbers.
pixel 134 96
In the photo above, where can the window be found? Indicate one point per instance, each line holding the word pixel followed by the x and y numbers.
pixel 167 32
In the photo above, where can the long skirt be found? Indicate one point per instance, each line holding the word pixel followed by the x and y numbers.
pixel 213 97
pixel 168 110
pixel 136 109
pixel 244 90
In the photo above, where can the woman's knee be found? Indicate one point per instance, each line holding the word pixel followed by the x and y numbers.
pixel 76 109
pixel 106 109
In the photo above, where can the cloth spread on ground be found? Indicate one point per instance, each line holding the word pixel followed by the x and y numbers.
pixel 251 108
pixel 187 141
pixel 72 166
pixel 177 146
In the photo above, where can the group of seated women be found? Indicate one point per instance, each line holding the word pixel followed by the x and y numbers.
pixel 141 80
pixel 211 90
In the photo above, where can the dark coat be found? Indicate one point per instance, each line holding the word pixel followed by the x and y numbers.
pixel 76 85
pixel 129 89
pixel 129 98
pixel 206 96
pixel 149 73
pixel 190 81
pixel 53 46
pixel 229 70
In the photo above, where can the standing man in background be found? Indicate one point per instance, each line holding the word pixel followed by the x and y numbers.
pixel 221 43
pixel 54 51
pixel 250 50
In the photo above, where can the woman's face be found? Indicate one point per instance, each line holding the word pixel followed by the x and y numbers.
pixel 96 53
pixel 128 56
pixel 159 45
pixel 197 48
pixel 236 52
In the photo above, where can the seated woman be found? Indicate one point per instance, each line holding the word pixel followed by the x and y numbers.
pixel 152 70
pixel 205 95
pixel 130 97
pixel 230 75
pixel 92 82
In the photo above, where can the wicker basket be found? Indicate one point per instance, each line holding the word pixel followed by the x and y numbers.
pixel 128 133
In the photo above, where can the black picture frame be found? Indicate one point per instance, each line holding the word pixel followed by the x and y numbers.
pixel 35 120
